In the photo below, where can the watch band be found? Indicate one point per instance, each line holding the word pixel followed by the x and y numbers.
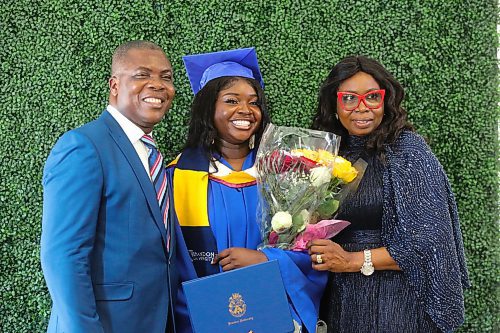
pixel 367 268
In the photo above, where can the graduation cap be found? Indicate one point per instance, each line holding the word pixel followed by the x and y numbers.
pixel 201 68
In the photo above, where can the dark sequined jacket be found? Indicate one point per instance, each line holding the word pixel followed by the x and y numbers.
pixel 421 230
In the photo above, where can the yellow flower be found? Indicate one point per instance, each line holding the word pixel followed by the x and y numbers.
pixel 310 154
pixel 320 156
pixel 343 169
pixel 325 157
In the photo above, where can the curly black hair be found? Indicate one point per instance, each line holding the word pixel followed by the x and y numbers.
pixel 395 118
pixel 202 132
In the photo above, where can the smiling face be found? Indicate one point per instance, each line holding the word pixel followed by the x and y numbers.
pixel 142 88
pixel 237 113
pixel 362 120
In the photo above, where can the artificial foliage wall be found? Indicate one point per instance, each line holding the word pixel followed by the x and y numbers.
pixel 55 59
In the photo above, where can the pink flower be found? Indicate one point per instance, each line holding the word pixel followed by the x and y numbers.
pixel 324 229
pixel 300 243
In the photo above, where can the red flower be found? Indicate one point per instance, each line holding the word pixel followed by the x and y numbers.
pixel 281 161
pixel 273 238
pixel 309 164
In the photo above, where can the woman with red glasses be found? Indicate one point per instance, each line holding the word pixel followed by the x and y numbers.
pixel 400 265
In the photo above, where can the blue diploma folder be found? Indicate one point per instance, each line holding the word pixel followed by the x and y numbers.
pixel 249 299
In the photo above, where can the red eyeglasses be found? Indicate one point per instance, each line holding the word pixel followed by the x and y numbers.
pixel 350 101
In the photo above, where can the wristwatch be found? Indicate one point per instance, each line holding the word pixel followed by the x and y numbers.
pixel 367 268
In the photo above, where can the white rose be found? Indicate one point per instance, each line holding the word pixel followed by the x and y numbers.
pixel 281 221
pixel 320 176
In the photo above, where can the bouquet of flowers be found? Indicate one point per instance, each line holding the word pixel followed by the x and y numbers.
pixel 301 181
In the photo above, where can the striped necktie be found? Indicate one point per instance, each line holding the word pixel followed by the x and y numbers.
pixel 158 177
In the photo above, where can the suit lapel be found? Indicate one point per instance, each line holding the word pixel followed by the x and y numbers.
pixel 133 159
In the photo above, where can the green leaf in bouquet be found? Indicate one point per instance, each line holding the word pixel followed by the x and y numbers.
pixel 327 208
pixel 286 237
pixel 299 221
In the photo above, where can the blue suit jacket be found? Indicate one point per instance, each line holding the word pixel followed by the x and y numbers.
pixel 103 240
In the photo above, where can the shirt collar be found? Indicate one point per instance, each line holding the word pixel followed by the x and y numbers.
pixel 132 131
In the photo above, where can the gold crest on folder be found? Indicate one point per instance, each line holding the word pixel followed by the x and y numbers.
pixel 237 306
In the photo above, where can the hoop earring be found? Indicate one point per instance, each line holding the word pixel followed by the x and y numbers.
pixel 337 116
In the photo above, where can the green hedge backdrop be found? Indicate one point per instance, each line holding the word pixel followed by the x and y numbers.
pixel 55 58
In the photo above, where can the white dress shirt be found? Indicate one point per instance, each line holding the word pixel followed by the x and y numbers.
pixel 134 134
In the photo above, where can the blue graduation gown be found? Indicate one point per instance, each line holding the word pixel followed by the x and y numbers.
pixel 232 215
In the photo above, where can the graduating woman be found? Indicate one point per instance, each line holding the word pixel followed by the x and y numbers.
pixel 214 188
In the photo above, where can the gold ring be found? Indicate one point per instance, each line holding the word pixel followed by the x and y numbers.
pixel 319 260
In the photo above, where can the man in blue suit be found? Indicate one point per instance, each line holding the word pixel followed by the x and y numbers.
pixel 106 247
